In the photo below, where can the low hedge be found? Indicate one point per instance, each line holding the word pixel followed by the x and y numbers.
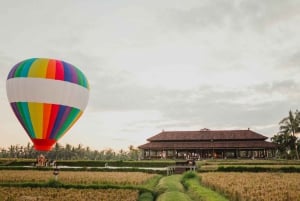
pixel 57 184
pixel 146 196
pixel 153 171
pixel 94 163
pixel 116 163
pixel 257 169
pixel 19 162
pixel 192 183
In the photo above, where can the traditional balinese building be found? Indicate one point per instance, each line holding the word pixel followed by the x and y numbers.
pixel 207 143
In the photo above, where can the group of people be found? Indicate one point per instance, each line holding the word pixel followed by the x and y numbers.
pixel 42 161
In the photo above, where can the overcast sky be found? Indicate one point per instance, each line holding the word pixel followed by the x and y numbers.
pixel 160 64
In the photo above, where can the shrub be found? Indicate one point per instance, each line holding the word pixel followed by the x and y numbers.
pixel 257 169
pixel 191 181
pixel 146 196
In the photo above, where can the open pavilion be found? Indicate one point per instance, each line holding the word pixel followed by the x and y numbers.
pixel 205 143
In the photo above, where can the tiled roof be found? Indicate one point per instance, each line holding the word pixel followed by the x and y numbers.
pixel 207 135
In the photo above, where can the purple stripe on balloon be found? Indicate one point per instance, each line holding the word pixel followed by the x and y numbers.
pixel 74 74
pixel 70 73
pixel 13 70
pixel 19 117
pixel 63 112
pixel 63 119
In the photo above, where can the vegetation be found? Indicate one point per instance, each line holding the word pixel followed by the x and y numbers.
pixel 170 188
pixel 41 185
pixel 146 196
pixel 254 186
pixel 238 165
pixel 286 137
pixel 258 169
pixel 185 187
pixel 69 152
pixel 61 194
pixel 136 184
pixel 191 182
pixel 71 177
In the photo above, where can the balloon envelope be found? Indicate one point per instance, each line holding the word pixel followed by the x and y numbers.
pixel 47 96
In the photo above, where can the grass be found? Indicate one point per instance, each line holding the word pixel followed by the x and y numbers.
pixel 249 165
pixel 146 196
pixel 170 183
pixel 185 187
pixel 150 184
pixel 173 195
pixel 254 186
pixel 196 191
pixel 170 188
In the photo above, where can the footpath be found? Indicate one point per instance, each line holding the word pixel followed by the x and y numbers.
pixel 185 187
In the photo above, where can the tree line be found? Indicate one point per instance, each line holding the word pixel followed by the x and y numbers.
pixel 286 138
pixel 69 152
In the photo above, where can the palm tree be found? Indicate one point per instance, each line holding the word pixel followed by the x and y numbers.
pixel 291 125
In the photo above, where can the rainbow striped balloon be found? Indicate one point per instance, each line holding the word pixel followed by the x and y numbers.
pixel 47 96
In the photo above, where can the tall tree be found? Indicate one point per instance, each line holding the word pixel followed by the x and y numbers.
pixel 285 144
pixel 290 125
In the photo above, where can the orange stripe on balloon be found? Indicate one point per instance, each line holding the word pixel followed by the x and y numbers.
pixel 51 70
pixel 46 119
pixel 53 115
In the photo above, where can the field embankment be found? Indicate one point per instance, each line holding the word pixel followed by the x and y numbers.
pixel 249 166
pixel 41 185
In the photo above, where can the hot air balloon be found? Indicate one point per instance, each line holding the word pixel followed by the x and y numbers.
pixel 47 96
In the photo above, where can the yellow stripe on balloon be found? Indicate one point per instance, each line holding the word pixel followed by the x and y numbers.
pixel 36 116
pixel 38 68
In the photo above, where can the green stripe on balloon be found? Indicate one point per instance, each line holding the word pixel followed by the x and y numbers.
pixel 18 71
pixel 82 79
pixel 74 113
pixel 24 113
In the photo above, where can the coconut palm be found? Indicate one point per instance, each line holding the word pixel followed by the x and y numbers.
pixel 291 125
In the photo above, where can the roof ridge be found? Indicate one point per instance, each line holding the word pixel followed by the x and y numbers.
pixel 165 131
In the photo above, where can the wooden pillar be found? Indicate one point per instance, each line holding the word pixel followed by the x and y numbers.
pixel 236 153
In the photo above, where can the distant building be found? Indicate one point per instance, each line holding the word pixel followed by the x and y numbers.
pixel 207 143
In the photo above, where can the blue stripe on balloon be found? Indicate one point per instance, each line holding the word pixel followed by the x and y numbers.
pixel 26 67
pixel 67 72
pixel 58 120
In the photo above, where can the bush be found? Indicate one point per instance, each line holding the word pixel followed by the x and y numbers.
pixel 146 196
pixel 243 169
pixel 189 175
pixel 54 184
pixel 191 182
pixel 257 169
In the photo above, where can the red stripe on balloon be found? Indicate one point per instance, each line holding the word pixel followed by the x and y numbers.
pixel 52 119
pixel 59 71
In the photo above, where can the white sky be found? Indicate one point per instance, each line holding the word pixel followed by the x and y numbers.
pixel 160 64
